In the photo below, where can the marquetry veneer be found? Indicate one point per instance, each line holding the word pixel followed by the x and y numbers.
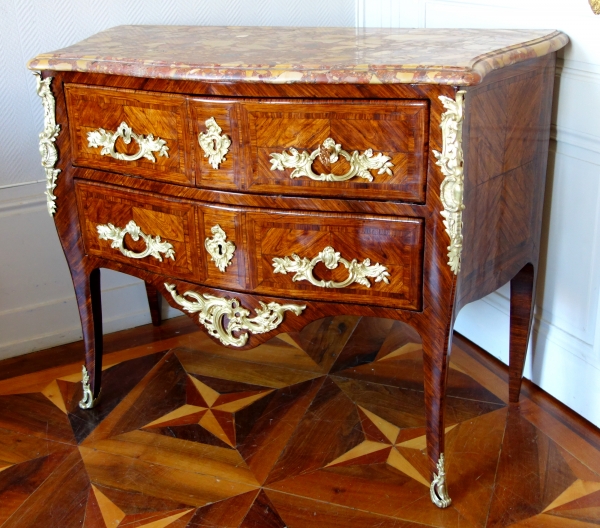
pixel 276 184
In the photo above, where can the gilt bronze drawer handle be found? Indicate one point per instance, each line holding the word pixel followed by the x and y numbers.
pixel 154 245
pixel 329 152
pixel 214 144
pixel 107 140
pixel 220 250
pixel 357 271
pixel 212 312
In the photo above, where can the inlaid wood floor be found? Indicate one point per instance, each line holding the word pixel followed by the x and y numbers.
pixel 323 428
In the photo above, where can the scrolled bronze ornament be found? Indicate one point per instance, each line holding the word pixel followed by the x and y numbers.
pixel 451 162
pixel 47 138
pixel 214 143
pixel 437 490
pixel 147 145
pixel 154 245
pixel 219 248
pixel 88 401
pixel 329 152
pixel 213 311
pixel 357 271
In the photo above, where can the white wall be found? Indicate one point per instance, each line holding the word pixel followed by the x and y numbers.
pixel 37 306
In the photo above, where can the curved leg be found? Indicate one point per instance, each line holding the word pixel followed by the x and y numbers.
pixel 87 292
pixel 435 361
pixel 522 291
pixel 154 303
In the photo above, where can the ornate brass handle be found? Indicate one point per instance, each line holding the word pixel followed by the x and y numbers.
pixel 107 140
pixel 154 245
pixel 329 152
pixel 357 271
pixel 220 249
pixel 214 144
pixel 212 312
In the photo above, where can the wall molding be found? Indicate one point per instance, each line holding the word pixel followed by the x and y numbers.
pixel 549 331
pixel 56 322
pixel 21 205
pixel 34 319
pixel 574 138
pixel 20 184
pixel 578 71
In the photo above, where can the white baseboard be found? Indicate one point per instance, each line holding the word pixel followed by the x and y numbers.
pixel 557 361
pixel 37 303
pixel 55 323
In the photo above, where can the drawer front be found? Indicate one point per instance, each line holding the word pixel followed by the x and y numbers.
pixel 222 246
pixel 376 150
pixel 139 229
pixel 138 133
pixel 216 139
pixel 337 258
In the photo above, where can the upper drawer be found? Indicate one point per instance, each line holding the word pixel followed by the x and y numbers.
pixel 374 150
pixel 129 132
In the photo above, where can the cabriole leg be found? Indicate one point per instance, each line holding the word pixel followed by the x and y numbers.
pixel 154 303
pixel 87 291
pixel 522 289
pixel 435 358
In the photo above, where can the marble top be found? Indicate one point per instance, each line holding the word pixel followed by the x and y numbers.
pixel 302 55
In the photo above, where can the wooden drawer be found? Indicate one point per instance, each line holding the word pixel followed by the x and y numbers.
pixel 112 219
pixel 329 256
pixel 379 260
pixel 147 131
pixel 385 142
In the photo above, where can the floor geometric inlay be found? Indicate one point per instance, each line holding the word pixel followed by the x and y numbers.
pixel 322 428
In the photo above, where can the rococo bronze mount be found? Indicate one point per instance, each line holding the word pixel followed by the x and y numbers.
pixel 262 188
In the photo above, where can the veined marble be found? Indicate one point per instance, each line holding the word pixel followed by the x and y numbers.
pixel 459 57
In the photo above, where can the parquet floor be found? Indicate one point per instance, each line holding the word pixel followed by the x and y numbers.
pixel 323 428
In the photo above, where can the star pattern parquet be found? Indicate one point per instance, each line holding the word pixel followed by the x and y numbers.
pixel 323 428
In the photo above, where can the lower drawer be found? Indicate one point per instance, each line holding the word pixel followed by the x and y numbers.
pixel 143 230
pixel 315 256
pixel 334 257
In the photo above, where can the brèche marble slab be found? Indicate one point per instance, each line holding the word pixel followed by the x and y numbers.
pixel 331 55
